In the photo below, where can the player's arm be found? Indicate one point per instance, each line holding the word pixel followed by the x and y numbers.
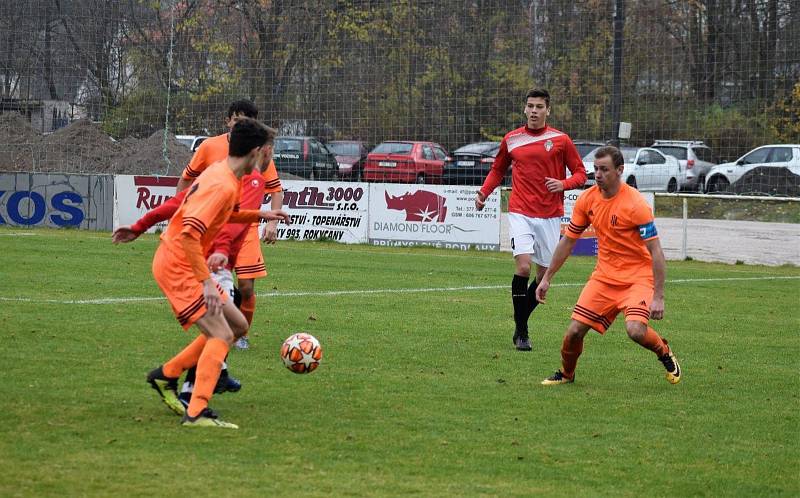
pixel 255 216
pixel 196 166
pixel 163 212
pixel 575 166
pixel 271 231
pixel 495 177
pixel 560 255
pixel 659 276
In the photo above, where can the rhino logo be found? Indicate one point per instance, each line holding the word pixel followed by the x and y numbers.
pixel 420 206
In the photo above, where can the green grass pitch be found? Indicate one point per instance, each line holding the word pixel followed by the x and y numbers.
pixel 420 391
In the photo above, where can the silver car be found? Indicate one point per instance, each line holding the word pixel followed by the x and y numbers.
pixel 694 158
pixel 646 169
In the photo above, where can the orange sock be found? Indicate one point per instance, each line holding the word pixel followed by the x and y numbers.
pixel 208 368
pixel 654 342
pixel 248 308
pixel 570 351
pixel 186 359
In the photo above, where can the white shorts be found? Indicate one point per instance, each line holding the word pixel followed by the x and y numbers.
pixel 224 278
pixel 535 236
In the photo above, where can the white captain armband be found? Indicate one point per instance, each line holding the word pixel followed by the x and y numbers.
pixel 648 231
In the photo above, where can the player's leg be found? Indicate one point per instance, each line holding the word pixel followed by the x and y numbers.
pixel 226 383
pixel 546 233
pixel 220 338
pixel 185 296
pixel 247 289
pixel 637 316
pixel 522 248
pixel 571 349
pixel 249 267
pixel 596 309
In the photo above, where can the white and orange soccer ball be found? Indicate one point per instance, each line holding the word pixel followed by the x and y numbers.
pixel 301 353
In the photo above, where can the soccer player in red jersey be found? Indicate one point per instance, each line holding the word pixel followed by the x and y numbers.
pixel 540 156
pixel 630 271
pixel 250 264
pixel 181 271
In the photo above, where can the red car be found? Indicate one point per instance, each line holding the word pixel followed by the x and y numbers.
pixel 406 162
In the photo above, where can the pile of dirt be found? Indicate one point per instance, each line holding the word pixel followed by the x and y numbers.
pixel 15 129
pixel 144 157
pixel 83 147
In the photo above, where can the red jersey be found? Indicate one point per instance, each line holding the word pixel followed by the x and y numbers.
pixel 536 155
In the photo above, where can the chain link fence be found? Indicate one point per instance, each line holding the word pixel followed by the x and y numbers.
pixel 107 85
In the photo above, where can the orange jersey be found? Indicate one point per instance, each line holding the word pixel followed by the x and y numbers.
pixel 623 224
pixel 215 149
pixel 212 150
pixel 211 200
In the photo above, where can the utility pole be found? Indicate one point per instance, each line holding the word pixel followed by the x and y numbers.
pixel 616 84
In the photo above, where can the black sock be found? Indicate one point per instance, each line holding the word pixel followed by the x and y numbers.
pixel 190 375
pixel 532 302
pixel 519 296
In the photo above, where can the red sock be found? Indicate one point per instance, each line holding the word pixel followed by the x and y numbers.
pixel 248 308
pixel 570 351
pixel 186 359
pixel 208 368
pixel 654 342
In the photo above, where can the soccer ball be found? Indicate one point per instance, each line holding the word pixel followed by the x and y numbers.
pixel 301 353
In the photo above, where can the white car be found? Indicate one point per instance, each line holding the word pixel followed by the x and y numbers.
pixel 646 168
pixel 721 177
pixel 191 141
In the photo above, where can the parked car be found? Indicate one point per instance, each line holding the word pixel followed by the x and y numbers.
pixel 723 176
pixel 351 156
pixel 191 141
pixel 471 163
pixel 406 162
pixel 695 159
pixel 305 157
pixel 645 168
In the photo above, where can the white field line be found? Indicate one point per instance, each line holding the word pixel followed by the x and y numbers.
pixel 119 300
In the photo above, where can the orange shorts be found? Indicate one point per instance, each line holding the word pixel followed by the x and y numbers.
pixel 250 261
pixel 600 303
pixel 178 283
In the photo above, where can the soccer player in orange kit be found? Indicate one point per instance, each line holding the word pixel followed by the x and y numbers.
pixel 630 271
pixel 250 262
pixel 179 267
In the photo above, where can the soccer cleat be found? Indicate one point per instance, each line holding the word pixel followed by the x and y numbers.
pixel 242 343
pixel 206 418
pixel 557 378
pixel 523 344
pixel 166 388
pixel 672 367
pixel 227 384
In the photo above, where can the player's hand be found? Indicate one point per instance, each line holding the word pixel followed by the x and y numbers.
pixel 124 234
pixel 553 184
pixel 276 215
pixel 270 233
pixel 480 201
pixel 541 290
pixel 216 262
pixel 657 309
pixel 211 295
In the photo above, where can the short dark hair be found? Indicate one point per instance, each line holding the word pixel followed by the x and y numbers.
pixel 244 107
pixel 539 93
pixel 247 134
pixel 613 152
